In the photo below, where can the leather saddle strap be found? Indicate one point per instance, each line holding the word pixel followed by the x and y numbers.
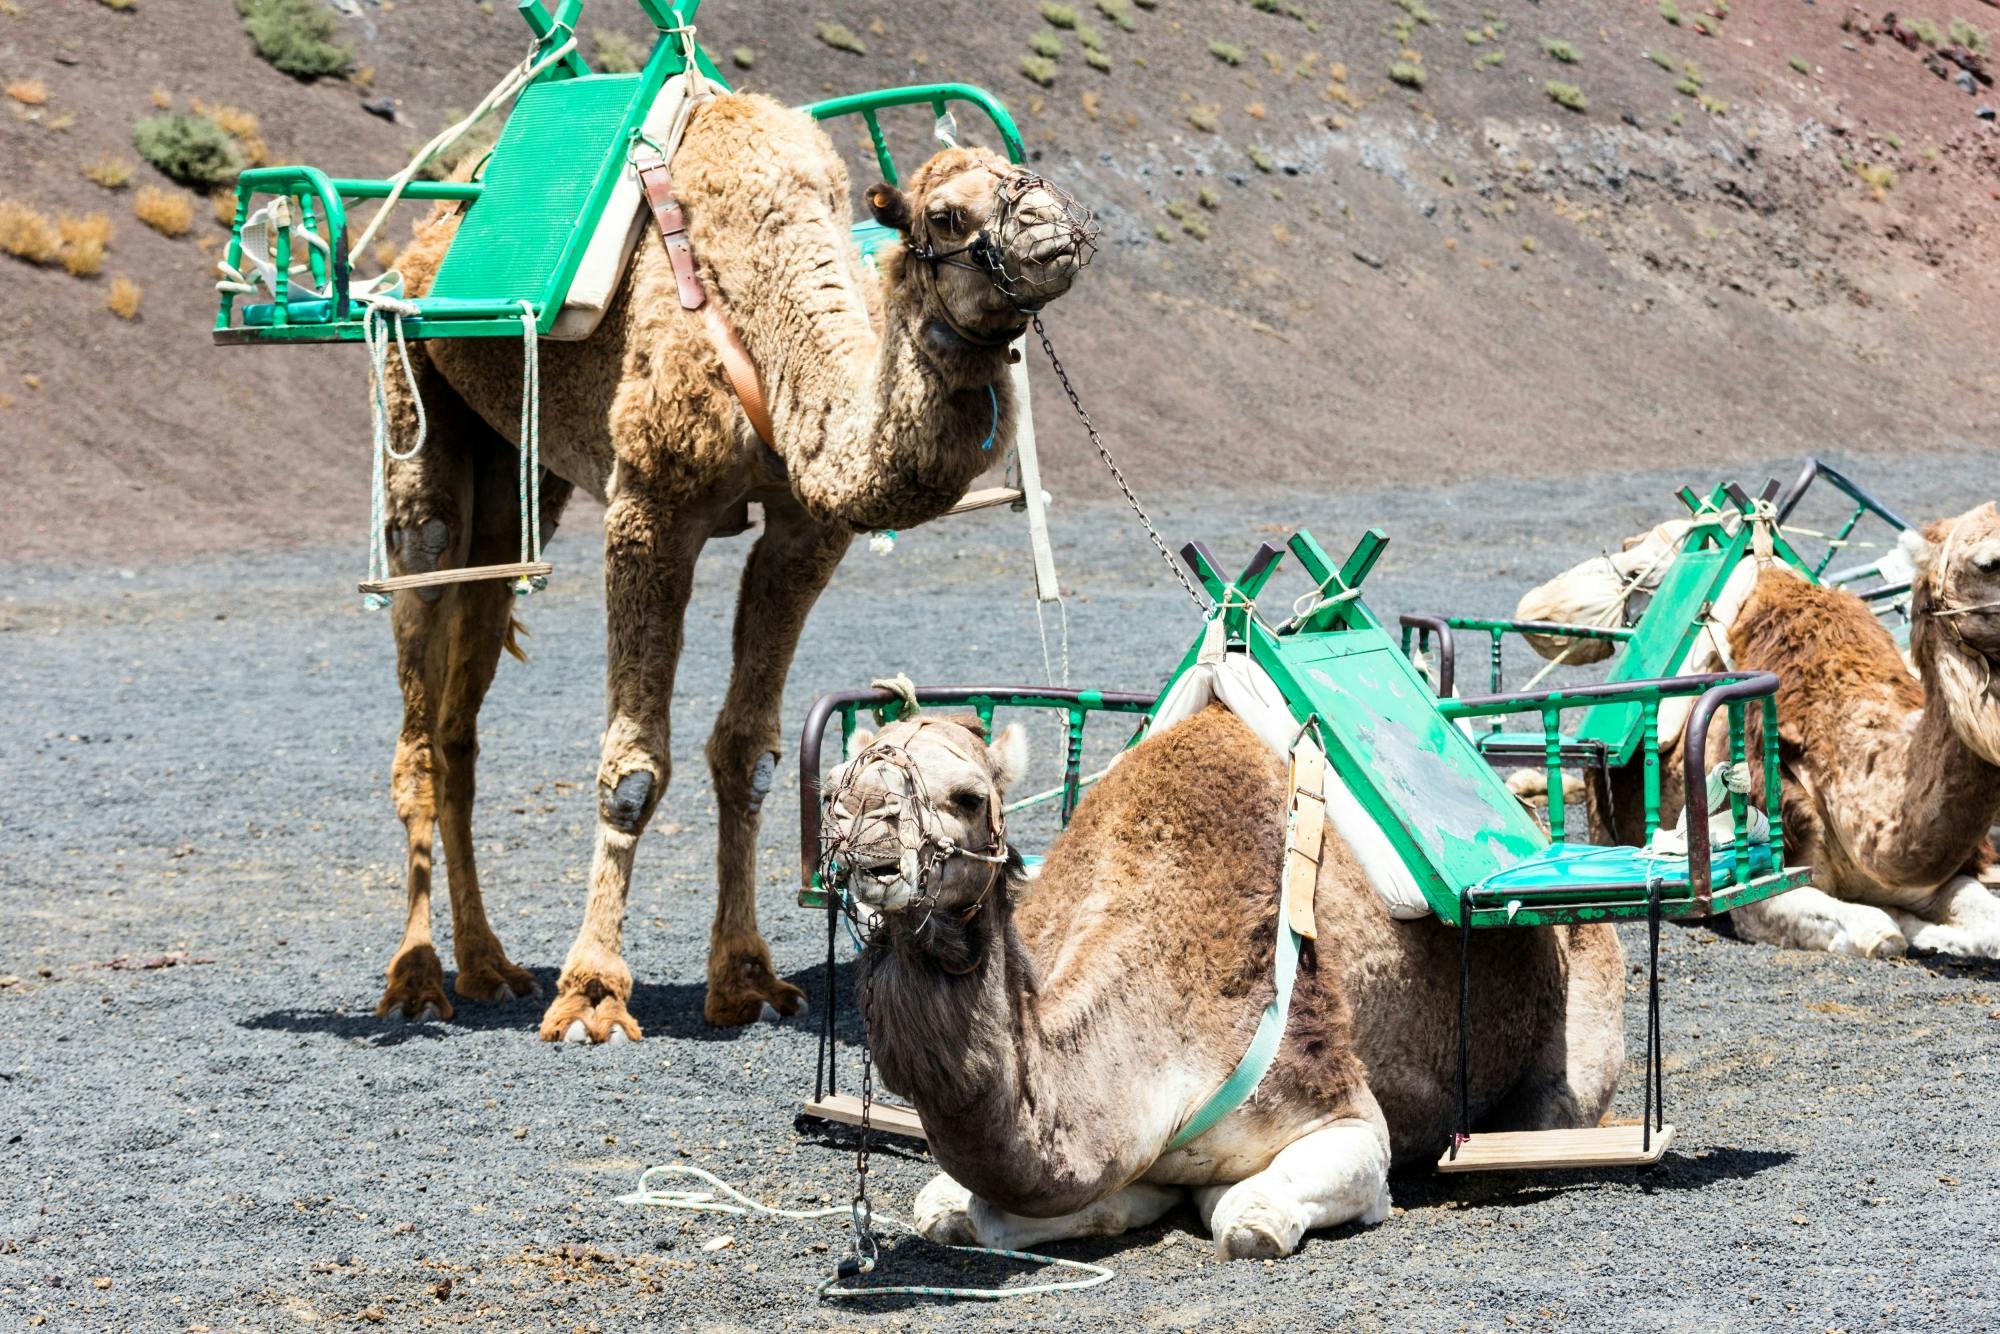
pixel 736 362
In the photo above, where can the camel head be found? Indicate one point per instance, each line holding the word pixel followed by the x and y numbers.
pixel 1955 620
pixel 987 243
pixel 913 817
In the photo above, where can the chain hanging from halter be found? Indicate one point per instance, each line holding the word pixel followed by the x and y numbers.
pixel 861 1213
pixel 1117 474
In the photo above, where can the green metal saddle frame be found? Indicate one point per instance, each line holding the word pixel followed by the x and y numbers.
pixel 1480 858
pixel 531 213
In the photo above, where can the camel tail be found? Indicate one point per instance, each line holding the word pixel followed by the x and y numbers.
pixel 515 633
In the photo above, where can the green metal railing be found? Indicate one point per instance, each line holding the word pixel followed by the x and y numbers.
pixel 937 96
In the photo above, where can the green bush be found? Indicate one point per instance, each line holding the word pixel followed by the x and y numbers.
pixel 840 37
pixel 1561 50
pixel 1971 38
pixel 1261 160
pixel 1801 66
pixel 1407 74
pixel 1059 16
pixel 1116 11
pixel 614 52
pixel 1566 95
pixel 296 36
pixel 1229 53
pixel 1039 70
pixel 191 149
pixel 1089 38
pixel 1665 62
pixel 743 57
pixel 1046 45
pixel 1097 60
pixel 1671 12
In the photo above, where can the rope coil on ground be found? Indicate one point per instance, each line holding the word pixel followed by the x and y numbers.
pixel 704 1201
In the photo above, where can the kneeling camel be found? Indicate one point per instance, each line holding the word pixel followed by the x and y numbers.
pixel 1056 1037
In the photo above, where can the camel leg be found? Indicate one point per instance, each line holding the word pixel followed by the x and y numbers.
pixel 649 558
pixel 455 503
pixel 789 566
pixel 948 1213
pixel 1571 1078
pixel 1333 1174
pixel 1963 918
pixel 1811 919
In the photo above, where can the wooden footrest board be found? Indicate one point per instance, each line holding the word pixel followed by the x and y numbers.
pixel 986 499
pixel 469 575
pixel 1541 1150
pixel 889 1117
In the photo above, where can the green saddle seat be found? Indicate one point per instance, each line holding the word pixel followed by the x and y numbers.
pixel 1567 874
pixel 561 139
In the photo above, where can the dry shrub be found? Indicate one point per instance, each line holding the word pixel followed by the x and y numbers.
pixel 223 204
pixel 84 240
pixel 26 234
pixel 162 98
pixel 239 125
pixel 28 92
pixel 123 298
pixel 168 212
pixel 110 172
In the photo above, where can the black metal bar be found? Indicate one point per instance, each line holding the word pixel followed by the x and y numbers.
pixel 1447 647
pixel 1464 1024
pixel 1251 581
pixel 1655 1083
pixel 826 1090
pixel 1815 468
pixel 1529 700
pixel 1694 742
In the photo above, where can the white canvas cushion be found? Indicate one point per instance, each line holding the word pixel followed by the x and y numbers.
pixel 621 224
pixel 1247 691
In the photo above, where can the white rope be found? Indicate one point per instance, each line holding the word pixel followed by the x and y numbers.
pixel 509 86
pixel 530 451
pixel 705 1201
pixel 375 333
pixel 1616 606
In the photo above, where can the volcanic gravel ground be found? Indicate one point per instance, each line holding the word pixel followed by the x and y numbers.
pixel 202 1123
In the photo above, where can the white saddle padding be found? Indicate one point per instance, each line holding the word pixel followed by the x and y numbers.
pixel 624 218
pixel 1710 651
pixel 1247 691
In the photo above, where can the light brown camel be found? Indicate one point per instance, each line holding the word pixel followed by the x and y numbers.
pixel 1890 784
pixel 880 402
pixel 1055 1037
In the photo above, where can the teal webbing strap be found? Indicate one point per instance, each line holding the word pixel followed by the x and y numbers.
pixel 1249 1071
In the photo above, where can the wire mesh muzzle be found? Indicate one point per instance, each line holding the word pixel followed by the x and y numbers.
pixel 1045 237
pixel 882 827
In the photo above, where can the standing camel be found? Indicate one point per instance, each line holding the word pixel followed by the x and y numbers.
pixel 1054 1039
pixel 882 402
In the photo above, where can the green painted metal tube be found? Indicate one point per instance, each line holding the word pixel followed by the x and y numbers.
pixel 543 27
pixel 356 188
pixel 932 94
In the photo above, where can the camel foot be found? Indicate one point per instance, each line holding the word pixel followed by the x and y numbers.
pixel 1869 940
pixel 741 984
pixel 943 1213
pixel 1254 1226
pixel 573 1017
pixel 416 987
pixel 492 977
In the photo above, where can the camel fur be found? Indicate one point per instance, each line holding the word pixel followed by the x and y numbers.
pixel 1055 1038
pixel 880 395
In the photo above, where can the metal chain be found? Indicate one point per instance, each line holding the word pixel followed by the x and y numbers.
pixel 1117 475
pixel 862 1212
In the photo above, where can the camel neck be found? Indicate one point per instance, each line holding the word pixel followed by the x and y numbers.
pixel 890 436
pixel 1943 777
pixel 981 1057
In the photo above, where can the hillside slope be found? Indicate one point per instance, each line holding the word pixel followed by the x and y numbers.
pixel 1308 271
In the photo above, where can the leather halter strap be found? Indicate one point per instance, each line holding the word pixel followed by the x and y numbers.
pixel 672 222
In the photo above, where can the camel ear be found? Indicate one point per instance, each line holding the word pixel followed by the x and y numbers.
pixel 890 206
pixel 860 741
pixel 1009 751
pixel 1917 547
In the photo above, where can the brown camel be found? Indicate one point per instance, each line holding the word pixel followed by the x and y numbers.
pixel 1890 784
pixel 880 401
pixel 1055 1038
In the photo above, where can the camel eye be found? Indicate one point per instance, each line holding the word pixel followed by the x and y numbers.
pixel 948 218
pixel 967 802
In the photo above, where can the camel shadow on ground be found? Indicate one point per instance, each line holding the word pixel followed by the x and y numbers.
pixel 1416 1189
pixel 665 1010
pixel 1957 967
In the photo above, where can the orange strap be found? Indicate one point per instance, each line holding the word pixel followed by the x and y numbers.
pixel 736 362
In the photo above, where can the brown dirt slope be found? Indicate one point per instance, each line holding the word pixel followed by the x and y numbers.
pixel 1768 230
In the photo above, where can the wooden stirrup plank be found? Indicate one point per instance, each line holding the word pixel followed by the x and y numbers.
pixel 885 1116
pixel 467 575
pixel 1540 1150
pixel 1305 826
pixel 986 499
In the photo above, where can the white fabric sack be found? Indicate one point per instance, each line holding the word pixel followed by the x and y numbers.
pixel 1595 592
pixel 1247 691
